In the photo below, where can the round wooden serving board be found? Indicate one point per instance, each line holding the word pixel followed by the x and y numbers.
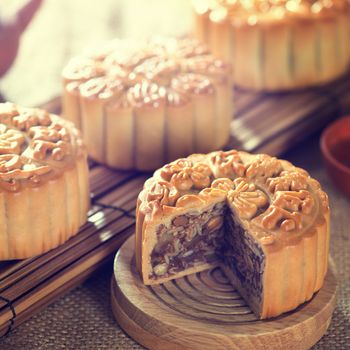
pixel 203 311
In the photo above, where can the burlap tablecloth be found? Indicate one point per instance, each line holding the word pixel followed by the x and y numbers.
pixel 82 319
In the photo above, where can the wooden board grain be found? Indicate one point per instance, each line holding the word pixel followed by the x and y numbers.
pixel 203 311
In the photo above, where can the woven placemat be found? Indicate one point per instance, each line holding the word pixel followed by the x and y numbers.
pixel 82 319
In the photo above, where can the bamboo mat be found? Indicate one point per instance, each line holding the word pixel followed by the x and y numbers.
pixel 274 123
pixel 270 123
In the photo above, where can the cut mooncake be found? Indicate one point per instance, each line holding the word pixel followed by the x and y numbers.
pixel 264 221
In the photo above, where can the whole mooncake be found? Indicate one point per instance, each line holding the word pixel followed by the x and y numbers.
pixel 277 44
pixel 140 105
pixel 44 189
pixel 263 220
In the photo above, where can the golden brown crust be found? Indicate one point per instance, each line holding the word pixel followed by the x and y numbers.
pixel 35 146
pixel 147 84
pixel 44 191
pixel 269 11
pixel 276 200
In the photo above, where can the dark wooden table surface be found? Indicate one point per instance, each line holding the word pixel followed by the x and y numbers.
pixel 82 318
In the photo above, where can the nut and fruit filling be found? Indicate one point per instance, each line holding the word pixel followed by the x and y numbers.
pixel 190 239
pixel 244 257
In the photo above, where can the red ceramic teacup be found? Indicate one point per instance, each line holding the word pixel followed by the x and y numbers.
pixel 335 147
